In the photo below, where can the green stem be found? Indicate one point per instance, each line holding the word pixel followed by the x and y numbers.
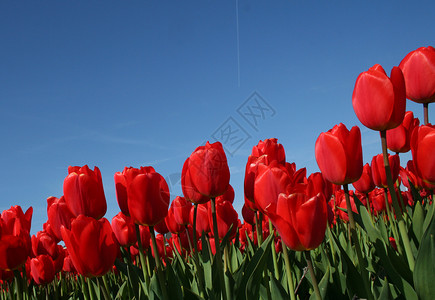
pixel 18 287
pixel 227 268
pixel 142 256
pixel 103 288
pixel 160 274
pixel 397 210
pixel 89 284
pixel 313 275
pixel 218 256
pixel 426 113
pixel 275 263
pixel 361 261
pixel 392 223
pixel 200 271
pixel 259 227
pixel 291 288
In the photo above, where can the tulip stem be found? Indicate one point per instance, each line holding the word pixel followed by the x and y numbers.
pixel 275 263
pixel 218 256
pixel 259 228
pixel 142 255
pixel 18 287
pixel 313 275
pixel 397 210
pixel 361 261
pixel 291 288
pixel 426 113
pixel 158 264
pixel 103 288
pixel 199 269
pixel 392 223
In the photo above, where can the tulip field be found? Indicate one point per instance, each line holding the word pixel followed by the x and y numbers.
pixel 350 231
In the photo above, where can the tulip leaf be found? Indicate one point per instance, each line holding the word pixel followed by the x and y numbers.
pixel 385 292
pixel 418 221
pixel 323 285
pixel 248 287
pixel 122 292
pixel 429 216
pixel 371 230
pixel 424 276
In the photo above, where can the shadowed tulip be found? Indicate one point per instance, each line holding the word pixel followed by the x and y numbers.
pixel 91 244
pixel 124 230
pixel 399 138
pixel 58 215
pixel 365 184
pixel 378 169
pixel 42 269
pixel 422 148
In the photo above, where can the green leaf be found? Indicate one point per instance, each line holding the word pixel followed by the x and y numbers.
pixel 249 284
pixel 424 275
pixel 385 292
pixel 418 221
pixel 371 230
pixel 277 291
pixel 122 292
pixel 323 285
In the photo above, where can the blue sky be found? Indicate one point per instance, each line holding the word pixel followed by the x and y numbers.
pixel 136 83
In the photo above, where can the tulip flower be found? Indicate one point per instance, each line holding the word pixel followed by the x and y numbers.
pixel 202 222
pixel 271 148
pixel 227 196
pixel 124 230
pixel 189 190
pixel 58 215
pixel 418 68
pixel 121 190
pixel 171 223
pixel 226 216
pixel 84 193
pixel 339 154
pixel 42 269
pixel 43 243
pixel 208 170
pixel 148 197
pixel 379 102
pixel 91 244
pixel 251 171
pixel 161 227
pixel 270 181
pixel 318 184
pixel 365 184
pixel 300 220
pixel 248 215
pixel 422 148
pixel 378 169
pixel 399 138
pixel 181 209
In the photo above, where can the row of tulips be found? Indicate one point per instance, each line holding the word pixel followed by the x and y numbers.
pixel 300 236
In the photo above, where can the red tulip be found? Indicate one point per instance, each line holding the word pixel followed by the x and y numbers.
pixel 377 198
pixel 161 227
pixel 418 68
pixel 84 193
pixel 399 138
pixel 42 269
pixel 91 245
pixel 121 190
pixel 341 202
pixel 68 265
pixel 248 215
pixel 181 209
pixel 208 170
pixel 251 171
pixel 43 243
pixel 171 223
pixel 145 236
pixel 379 102
pixel 271 148
pixel 270 181
pixel 202 223
pixel 318 184
pixel 16 222
pixel 422 147
pixel 378 169
pixel 148 197
pixel 226 216
pixel 300 220
pixel 124 230
pixel 58 215
pixel 339 154
pixel 365 184
pixel 189 190
pixel 227 196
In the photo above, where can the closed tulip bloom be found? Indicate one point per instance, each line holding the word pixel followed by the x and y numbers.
pixel 227 196
pixel 271 148
pixel 171 223
pixel 379 101
pixel 181 210
pixel 270 181
pixel 399 138
pixel 377 199
pixel 121 190
pixel 208 170
pixel 248 215
pixel 418 68
pixel 59 215
pixel 145 236
pixel 15 221
pixel 84 193
pixel 365 184
pixel 318 184
pixel 378 169
pixel 124 230
pixel 339 154
pixel 91 245
pixel 43 243
pixel 148 198
pixel 422 148
pixel 161 227
pixel 226 216
pixel 189 190
pixel 251 171
pixel 300 220
pixel 42 269
pixel 202 222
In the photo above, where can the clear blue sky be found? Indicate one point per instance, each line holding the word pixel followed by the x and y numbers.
pixel 135 83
